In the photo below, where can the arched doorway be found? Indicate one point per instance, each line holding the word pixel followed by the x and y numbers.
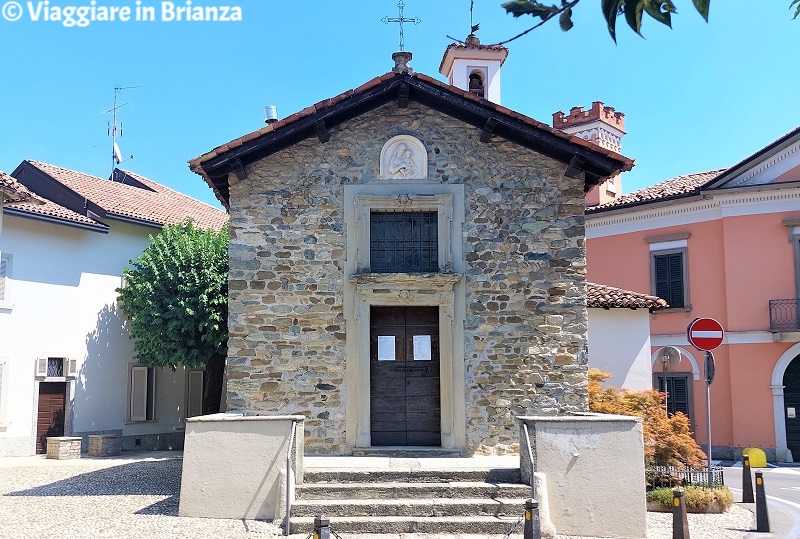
pixel 791 402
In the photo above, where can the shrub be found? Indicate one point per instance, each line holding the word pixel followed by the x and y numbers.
pixel 667 440
pixel 698 500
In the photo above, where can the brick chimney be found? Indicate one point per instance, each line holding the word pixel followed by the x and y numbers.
pixel 600 125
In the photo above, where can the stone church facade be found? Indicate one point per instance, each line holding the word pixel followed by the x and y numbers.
pixel 407 267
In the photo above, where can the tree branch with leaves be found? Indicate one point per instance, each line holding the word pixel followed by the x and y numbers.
pixel 632 10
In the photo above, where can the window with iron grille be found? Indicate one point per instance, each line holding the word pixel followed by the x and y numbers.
pixel 55 366
pixel 669 277
pixel 404 242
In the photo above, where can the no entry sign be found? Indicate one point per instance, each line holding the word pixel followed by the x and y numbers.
pixel 705 333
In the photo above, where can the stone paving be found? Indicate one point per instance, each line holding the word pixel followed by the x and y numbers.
pixel 137 496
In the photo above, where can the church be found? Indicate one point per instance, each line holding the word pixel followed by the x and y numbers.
pixel 407 262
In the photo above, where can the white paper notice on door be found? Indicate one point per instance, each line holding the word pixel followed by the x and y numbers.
pixel 386 348
pixel 422 347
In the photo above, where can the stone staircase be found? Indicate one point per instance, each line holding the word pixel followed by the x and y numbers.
pixel 430 501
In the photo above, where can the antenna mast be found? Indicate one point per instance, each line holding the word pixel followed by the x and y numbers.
pixel 113 130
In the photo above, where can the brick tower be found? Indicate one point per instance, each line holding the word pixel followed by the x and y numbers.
pixel 603 126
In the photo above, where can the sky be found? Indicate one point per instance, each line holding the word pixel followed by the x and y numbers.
pixel 697 97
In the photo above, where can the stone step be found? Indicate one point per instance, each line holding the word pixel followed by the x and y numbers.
pixel 406 452
pixel 396 490
pixel 416 507
pixel 493 475
pixel 402 524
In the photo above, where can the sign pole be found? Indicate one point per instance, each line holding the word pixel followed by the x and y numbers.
pixel 709 377
pixel 707 334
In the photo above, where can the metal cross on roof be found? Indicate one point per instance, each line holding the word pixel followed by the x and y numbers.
pixel 401 20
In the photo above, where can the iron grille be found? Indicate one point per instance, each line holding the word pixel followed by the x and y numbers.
pixel 55 366
pixel 783 315
pixel 404 242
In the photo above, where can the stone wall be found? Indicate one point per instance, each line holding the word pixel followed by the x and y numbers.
pixel 523 233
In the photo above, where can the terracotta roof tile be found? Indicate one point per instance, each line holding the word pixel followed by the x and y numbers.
pixel 194 164
pixel 609 297
pixel 51 209
pixel 160 206
pixel 459 45
pixel 682 185
pixel 13 191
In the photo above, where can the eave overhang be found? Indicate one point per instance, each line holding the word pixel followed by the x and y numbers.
pixel 579 156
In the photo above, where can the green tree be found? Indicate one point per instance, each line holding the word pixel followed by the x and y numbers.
pixel 175 295
pixel 631 10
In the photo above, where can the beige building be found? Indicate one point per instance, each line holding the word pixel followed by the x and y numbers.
pixel 407 263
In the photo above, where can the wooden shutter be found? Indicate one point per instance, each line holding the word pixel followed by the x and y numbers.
pixel 72 367
pixel 3 267
pixel 677 389
pixel 139 394
pixel 2 394
pixel 679 394
pixel 668 269
pixel 675 280
pixel 41 366
pixel 195 394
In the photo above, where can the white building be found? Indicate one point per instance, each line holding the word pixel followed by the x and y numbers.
pixel 619 334
pixel 65 355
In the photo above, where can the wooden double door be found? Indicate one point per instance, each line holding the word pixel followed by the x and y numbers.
pixel 791 399
pixel 405 407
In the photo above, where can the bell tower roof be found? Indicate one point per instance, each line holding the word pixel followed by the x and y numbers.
pixel 474 67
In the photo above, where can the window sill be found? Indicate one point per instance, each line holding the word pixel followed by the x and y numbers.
pixel 6 306
pixel 146 421
pixel 674 310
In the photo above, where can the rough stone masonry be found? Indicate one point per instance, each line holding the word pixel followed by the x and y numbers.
pixel 524 284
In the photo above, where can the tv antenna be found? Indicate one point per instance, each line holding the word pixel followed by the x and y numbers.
pixel 114 130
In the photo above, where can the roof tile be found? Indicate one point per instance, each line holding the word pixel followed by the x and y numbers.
pixel 160 206
pixel 13 191
pixel 609 297
pixel 682 185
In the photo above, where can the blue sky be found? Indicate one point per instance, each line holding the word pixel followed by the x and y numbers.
pixel 695 98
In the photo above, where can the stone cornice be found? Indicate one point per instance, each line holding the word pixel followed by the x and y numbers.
pixel 416 281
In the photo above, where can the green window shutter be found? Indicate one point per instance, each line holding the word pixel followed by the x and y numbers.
pixel 676 280
pixel 668 269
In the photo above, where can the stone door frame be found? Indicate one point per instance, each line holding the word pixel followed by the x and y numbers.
pixel 444 290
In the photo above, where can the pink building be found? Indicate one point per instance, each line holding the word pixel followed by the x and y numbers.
pixel 723 244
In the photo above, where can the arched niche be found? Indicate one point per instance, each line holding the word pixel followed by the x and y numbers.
pixel 404 158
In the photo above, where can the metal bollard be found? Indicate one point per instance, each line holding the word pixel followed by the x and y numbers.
pixel 747 481
pixel 680 522
pixel 322 527
pixel 762 516
pixel 532 529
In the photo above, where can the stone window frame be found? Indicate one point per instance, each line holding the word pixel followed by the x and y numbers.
pixel 442 204
pixel 444 289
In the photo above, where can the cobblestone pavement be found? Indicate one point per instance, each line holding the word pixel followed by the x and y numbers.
pixel 137 496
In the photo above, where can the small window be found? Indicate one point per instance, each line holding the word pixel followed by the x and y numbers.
pixel 56 367
pixel 404 242
pixel 194 393
pixel 142 393
pixel 669 277
pixel 678 389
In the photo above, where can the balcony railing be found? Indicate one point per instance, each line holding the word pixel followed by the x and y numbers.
pixel 783 315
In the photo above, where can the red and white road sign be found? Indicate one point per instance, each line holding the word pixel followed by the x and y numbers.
pixel 705 333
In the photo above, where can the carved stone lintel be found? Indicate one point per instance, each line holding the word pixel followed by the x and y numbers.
pixel 409 281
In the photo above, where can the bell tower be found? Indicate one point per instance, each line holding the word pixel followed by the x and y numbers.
pixel 474 67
